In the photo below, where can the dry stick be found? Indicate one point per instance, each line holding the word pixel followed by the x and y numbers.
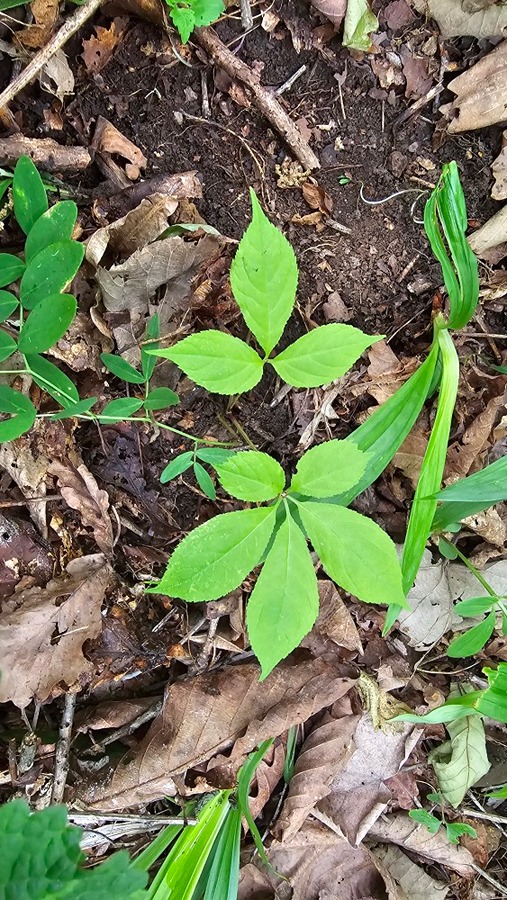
pixel 265 99
pixel 246 15
pixel 62 749
pixel 69 27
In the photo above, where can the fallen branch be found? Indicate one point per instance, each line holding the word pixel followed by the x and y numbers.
pixel 264 98
pixel 63 748
pixel 69 27
pixel 45 152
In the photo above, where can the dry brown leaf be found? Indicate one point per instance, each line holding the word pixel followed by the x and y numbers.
pixel 317 198
pixel 499 170
pixel 45 13
pixel 112 714
pixel 401 830
pixel 324 753
pixel 22 556
pixel 107 142
pixel 397 15
pixel 454 20
pixel 334 10
pixel 465 455
pixel 490 241
pixel 417 72
pixel 410 455
pixel 57 77
pixel 386 372
pixel 378 754
pixel 416 883
pixel 267 775
pixel 208 713
pixel 42 632
pixel 99 48
pixel 334 620
pixel 481 92
pixel 82 493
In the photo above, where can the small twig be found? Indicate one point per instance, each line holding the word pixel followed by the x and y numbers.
pixel 202 659
pixel 487 877
pixel 290 81
pixel 264 98
pixel 419 104
pixel 80 15
pixel 206 111
pixel 246 15
pixel 63 748
pixel 86 820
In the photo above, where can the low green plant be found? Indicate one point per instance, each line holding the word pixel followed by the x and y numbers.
pixel 453 830
pixel 490 702
pixel 189 14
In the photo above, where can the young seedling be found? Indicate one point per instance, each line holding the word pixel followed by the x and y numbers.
pixel 189 14
pixel 216 557
pixel 453 830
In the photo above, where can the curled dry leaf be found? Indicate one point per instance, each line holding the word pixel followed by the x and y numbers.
pixel 57 77
pixel 211 712
pixel 267 775
pixel 456 20
pixel 45 13
pixel 490 241
pixel 334 10
pixel 108 141
pixel 99 48
pixel 481 92
pixel 112 714
pixel 324 753
pixel 499 170
pixel 42 632
pixel 82 493
pixel 334 621
pixel 416 883
pixel 402 830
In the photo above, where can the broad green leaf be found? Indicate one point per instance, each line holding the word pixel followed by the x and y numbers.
pixel 76 409
pixel 359 23
pixel 29 194
pixel 223 877
pixel 21 411
pixel 471 495
pixel 321 355
pixel 161 398
pixel 447 550
pixel 284 603
pixel 328 469
pixel 184 21
pixel 11 268
pixel 8 303
pixel 221 363
pixel 214 456
pixel 177 466
pixel 251 475
pixel 56 224
pixel 121 368
pixel 5 183
pixel 455 830
pixel 55 382
pixel 50 271
pixel 207 11
pixel 204 481
pixel 474 606
pixel 354 551
pixel 264 277
pixel 462 761
pixel 47 323
pixel 120 409
pixel 425 818
pixel 216 557
pixel 8 345
pixel 148 362
pixel 473 640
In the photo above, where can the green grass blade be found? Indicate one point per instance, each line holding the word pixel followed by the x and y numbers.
pixel 471 495
pixel 223 877
pixel 156 847
pixel 244 781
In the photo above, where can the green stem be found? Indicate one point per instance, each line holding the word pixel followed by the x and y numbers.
pixel 487 587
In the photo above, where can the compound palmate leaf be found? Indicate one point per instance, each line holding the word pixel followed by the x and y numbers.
pixel 328 469
pixel 284 603
pixel 264 276
pixel 251 475
pixel 221 363
pixel 354 551
pixel 322 355
pixel 217 556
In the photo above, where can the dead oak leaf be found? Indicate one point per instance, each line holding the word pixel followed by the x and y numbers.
pixel 45 13
pixel 99 48
pixel 42 632
pixel 82 493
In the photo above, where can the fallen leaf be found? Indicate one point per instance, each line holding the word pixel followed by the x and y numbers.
pixel 57 77
pixel 81 492
pixel 334 620
pixel 112 714
pixel 359 23
pixel 334 10
pixel 317 197
pixel 99 48
pixel 397 15
pixel 386 372
pixel 490 241
pixel 411 454
pixel 499 170
pixel 324 753
pixel 206 714
pixel 267 775
pixel 481 92
pixel 400 829
pixel 378 754
pixel 465 456
pixel 455 21
pixel 42 632
pixel 462 761
pixel 22 555
pixel 45 13
pixel 416 70
pixel 108 141
pixel 416 883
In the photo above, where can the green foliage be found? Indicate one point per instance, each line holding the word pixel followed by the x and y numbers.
pixel 264 280
pixel 453 830
pixel 189 14
pixel 461 761
pixel 47 323
pixel 471 495
pixel 50 272
pixel 28 193
pixel 41 859
pixel 473 640
pixel 20 410
pixel 217 556
pixel 491 702
pixel 427 819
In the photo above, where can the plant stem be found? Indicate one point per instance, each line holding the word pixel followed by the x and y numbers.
pixel 487 587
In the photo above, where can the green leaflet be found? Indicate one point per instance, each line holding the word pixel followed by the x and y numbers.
pixel 264 276
pixel 21 411
pixel 8 346
pixel 284 603
pixel 177 466
pixel 251 475
pixel 11 268
pixel 117 410
pixel 474 606
pixel 183 19
pixel 221 363
pixel 56 224
pixel 217 556
pixel 473 640
pixel 121 368
pixel 471 495
pixel 47 323
pixel 462 761
pixel 425 818
pixel 161 398
pixel 455 830
pixel 29 194
pixel 148 361
pixel 207 11
pixel 50 271
pixel 8 303
pixel 204 481
pixel 76 409
pixel 321 355
pixel 214 456
pixel 328 468
pixel 491 702
pixel 354 551
pixel 55 382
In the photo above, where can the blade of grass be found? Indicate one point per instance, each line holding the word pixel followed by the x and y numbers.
pixel 244 781
pixel 223 877
pixel 471 495
pixel 157 846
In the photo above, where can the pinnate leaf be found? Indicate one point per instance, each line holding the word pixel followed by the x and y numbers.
pixel 55 382
pixel 321 355
pixel 8 303
pixel 121 368
pixel 161 398
pixel 472 640
pixel 29 194
pixel 56 224
pixel 177 466
pixel 204 481
pixel 284 603
pixel 354 551
pixel 47 323
pixel 217 556
pixel 76 409
pixel 264 278
pixel 21 411
pixel 8 346
pixel 11 268
pixel 50 271
pixel 251 475
pixel 117 410
pixel 221 363
pixel 328 469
